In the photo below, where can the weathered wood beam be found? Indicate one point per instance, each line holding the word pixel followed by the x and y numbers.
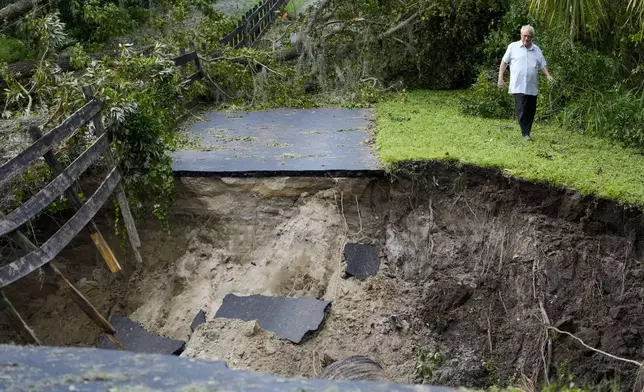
pixel 23 242
pixel 54 189
pixel 94 232
pixel 184 59
pixel 124 206
pixel 192 78
pixel 36 259
pixel 184 70
pixel 18 324
pixel 47 142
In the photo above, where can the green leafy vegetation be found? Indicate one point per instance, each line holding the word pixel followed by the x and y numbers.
pixel 141 86
pixel 12 50
pixel 599 82
pixel 435 130
pixel 427 362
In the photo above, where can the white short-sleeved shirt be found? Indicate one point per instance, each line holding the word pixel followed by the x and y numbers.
pixel 525 64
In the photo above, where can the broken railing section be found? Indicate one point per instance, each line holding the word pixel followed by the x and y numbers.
pixel 183 61
pixel 253 24
pixel 64 182
pixel 75 200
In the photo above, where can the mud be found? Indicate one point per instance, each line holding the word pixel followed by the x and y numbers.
pixel 474 267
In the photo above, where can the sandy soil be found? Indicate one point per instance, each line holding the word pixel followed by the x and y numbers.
pixel 469 259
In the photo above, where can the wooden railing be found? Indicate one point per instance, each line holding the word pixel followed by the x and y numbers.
pixel 253 24
pixel 65 181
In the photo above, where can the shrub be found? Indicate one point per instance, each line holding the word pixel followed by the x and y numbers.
pixel 585 96
pixel 485 99
pixel 12 50
pixel 106 20
pixel 615 115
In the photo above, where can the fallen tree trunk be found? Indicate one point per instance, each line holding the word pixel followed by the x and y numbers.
pixel 16 10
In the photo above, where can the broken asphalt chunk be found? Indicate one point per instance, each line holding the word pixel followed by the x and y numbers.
pixel 362 260
pixel 289 318
pixel 134 338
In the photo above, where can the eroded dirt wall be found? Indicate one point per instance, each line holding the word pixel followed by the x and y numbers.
pixel 472 263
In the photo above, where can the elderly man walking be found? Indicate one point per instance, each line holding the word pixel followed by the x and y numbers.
pixel 525 60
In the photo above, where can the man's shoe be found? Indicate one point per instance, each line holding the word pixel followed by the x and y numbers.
pixel 527 138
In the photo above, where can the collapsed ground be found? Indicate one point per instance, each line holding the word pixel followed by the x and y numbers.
pixel 467 256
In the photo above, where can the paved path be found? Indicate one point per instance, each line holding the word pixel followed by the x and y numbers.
pixel 291 142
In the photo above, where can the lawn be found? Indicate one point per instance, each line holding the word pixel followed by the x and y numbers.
pixel 426 125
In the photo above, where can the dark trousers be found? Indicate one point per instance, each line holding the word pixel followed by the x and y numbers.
pixel 526 107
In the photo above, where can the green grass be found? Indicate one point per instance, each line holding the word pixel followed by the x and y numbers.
pixel 426 125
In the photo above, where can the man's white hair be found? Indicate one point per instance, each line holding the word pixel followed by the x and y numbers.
pixel 527 29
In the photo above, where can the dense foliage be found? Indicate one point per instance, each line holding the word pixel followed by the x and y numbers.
pixel 135 76
pixel 599 78
pixel 432 44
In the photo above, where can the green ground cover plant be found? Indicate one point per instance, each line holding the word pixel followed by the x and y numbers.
pixel 427 125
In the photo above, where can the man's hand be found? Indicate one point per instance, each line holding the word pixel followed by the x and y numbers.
pixel 549 77
pixel 502 67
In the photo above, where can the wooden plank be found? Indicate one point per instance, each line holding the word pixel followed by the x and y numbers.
pixel 105 251
pixel 185 58
pixel 36 259
pixel 257 27
pixel 197 59
pixel 18 324
pixel 75 200
pixel 124 206
pixel 184 70
pixel 244 36
pixel 192 78
pixel 230 37
pixel 47 142
pixel 54 189
pixel 82 302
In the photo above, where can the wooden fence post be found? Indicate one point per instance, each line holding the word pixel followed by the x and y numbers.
pixel 18 324
pixel 23 242
pixel 124 206
pixel 184 71
pixel 245 35
pixel 76 202
pixel 193 48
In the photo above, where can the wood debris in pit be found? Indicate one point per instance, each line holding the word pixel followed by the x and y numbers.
pixel 135 338
pixel 289 318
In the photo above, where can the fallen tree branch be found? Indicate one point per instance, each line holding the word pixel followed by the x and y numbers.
pixel 631 361
pixel 24 90
pixel 400 25
pixel 16 10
